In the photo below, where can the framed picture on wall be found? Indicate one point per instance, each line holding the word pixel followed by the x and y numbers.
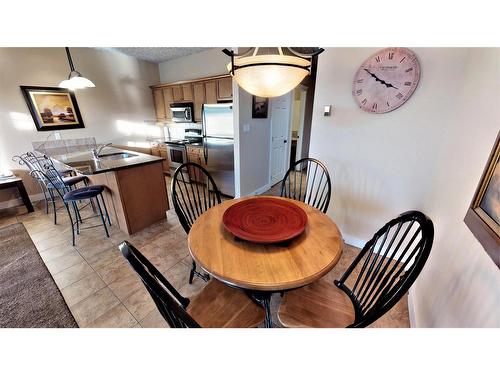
pixel 483 215
pixel 52 108
pixel 259 107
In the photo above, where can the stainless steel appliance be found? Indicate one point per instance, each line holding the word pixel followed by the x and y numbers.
pixel 218 145
pixel 182 112
pixel 176 153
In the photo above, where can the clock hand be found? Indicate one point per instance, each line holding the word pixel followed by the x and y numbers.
pixel 380 80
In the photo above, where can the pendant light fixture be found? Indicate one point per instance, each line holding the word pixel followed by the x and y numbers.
pixel 273 73
pixel 75 79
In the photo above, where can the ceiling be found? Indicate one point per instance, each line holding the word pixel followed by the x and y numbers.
pixel 159 54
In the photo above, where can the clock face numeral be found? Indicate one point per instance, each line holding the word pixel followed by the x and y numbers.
pixel 386 80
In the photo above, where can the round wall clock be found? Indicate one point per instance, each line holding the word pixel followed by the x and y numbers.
pixel 386 80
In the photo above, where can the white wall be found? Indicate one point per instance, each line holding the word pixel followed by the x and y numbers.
pixel 426 155
pixel 203 64
pixel 252 147
pixel 114 109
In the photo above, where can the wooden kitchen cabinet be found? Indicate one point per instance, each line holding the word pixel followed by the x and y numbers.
pixel 168 99
pixel 208 90
pixel 177 93
pixel 160 149
pixel 164 154
pixel 198 99
pixel 155 149
pixel 187 92
pixel 225 88
pixel 195 155
pixel 211 92
pixel 159 104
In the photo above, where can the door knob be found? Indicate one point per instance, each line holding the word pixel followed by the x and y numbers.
pixel 285 141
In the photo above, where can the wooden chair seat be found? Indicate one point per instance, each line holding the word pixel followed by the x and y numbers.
pixel 220 306
pixel 319 305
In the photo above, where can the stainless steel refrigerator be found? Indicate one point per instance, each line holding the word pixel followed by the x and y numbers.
pixel 218 145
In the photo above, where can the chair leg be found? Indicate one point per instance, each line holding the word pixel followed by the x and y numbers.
pixel 44 197
pixel 102 216
pixel 191 273
pixel 91 201
pixel 71 223
pixel 53 206
pixel 205 276
pixel 105 209
pixel 78 218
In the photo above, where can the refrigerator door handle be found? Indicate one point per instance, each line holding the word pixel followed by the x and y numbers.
pixel 203 121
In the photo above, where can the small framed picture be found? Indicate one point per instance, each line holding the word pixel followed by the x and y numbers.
pixel 259 107
pixel 483 215
pixel 52 108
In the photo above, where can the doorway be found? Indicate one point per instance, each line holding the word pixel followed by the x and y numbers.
pixel 280 137
pixel 287 132
pixel 298 111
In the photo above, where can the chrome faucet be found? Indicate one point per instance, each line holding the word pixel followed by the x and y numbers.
pixel 96 151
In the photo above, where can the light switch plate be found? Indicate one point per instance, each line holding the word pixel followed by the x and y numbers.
pixel 327 110
pixel 246 128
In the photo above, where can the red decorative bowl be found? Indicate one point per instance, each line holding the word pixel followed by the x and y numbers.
pixel 265 220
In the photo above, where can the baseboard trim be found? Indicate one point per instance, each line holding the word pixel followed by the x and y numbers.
pixel 19 202
pixel 260 190
pixel 353 241
pixel 411 310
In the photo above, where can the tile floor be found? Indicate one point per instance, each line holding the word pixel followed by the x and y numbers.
pixel 102 290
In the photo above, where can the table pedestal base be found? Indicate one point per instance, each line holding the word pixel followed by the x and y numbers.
pixel 264 299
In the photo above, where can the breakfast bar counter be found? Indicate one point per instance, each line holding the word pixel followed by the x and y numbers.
pixel 135 194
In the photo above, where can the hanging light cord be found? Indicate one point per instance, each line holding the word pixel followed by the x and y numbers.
pixel 70 60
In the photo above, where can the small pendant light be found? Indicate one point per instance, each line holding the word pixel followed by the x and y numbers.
pixel 75 79
pixel 270 74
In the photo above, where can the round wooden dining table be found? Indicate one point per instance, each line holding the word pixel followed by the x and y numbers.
pixel 262 269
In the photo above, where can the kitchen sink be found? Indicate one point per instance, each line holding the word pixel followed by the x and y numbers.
pixel 116 156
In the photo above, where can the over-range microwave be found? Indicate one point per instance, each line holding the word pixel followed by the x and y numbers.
pixel 182 112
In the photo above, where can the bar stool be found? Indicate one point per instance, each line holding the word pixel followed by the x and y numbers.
pixel 34 162
pixel 87 192
pixel 70 198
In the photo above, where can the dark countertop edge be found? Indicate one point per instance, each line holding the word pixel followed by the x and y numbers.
pixel 155 159
pixel 119 168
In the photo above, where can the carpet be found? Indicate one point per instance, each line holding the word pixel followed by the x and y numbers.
pixel 29 297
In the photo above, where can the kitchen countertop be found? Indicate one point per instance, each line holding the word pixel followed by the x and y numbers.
pixel 83 162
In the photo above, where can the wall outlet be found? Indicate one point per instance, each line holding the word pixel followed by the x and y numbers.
pixel 57 135
pixel 246 128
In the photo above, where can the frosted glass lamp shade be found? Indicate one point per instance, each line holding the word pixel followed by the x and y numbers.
pixel 76 81
pixel 269 75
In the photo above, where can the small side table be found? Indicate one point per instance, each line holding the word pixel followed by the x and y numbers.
pixel 17 182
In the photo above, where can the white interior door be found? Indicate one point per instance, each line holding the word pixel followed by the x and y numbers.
pixel 303 94
pixel 280 134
